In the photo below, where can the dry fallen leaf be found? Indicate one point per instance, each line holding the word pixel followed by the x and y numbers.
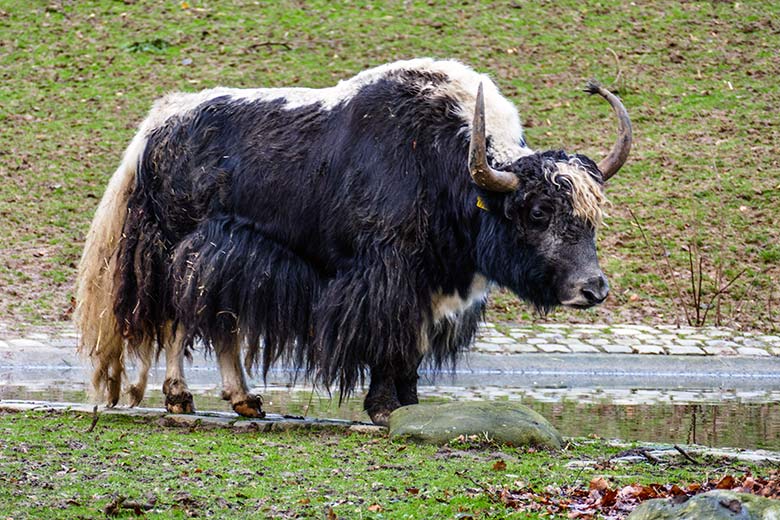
pixel 599 484
pixel 727 482
pixel 500 465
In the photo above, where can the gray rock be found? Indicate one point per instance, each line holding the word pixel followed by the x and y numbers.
pixel 503 422
pixel 714 505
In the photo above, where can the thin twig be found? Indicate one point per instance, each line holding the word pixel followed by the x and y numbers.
pixel 668 266
pixel 769 308
pixel 701 276
pixel 692 429
pixel 685 454
pixel 750 286
pixel 95 418
pixel 652 458
pixel 693 283
pixel 721 244
pixel 721 291
pixel 308 405
pixel 271 44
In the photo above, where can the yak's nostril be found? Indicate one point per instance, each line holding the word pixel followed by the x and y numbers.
pixel 595 290
pixel 592 297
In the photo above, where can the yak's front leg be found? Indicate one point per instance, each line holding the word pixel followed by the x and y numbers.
pixel 406 385
pixel 234 386
pixel 391 388
pixel 382 397
pixel 178 398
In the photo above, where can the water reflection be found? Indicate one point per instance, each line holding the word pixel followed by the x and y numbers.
pixel 732 424
pixel 718 418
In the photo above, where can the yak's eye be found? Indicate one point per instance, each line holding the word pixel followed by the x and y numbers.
pixel 540 216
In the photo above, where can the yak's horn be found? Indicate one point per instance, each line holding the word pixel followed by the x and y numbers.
pixel 485 176
pixel 619 153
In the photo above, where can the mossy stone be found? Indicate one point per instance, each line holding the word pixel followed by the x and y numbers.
pixel 713 505
pixel 503 422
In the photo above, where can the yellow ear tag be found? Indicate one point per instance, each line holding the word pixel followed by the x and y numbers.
pixel 481 204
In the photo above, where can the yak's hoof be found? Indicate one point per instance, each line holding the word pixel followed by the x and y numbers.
pixel 177 398
pixel 136 394
pixel 250 407
pixel 380 418
pixel 114 390
pixel 180 403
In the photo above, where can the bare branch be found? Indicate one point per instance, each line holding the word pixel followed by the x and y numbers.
pixel 668 266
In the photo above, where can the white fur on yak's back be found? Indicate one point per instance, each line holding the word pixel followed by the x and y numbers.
pixel 100 337
pixel 501 118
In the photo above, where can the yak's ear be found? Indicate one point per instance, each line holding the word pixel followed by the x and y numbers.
pixel 514 204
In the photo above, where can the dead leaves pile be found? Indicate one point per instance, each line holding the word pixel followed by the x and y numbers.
pixel 615 503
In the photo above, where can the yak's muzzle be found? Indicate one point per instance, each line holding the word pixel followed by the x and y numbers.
pixel 587 292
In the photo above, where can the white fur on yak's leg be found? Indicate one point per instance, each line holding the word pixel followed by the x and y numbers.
pixel 234 386
pixel 145 356
pixel 178 398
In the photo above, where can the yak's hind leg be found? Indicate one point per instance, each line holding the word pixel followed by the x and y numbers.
pixel 234 387
pixel 114 381
pixel 232 286
pixel 145 354
pixel 178 398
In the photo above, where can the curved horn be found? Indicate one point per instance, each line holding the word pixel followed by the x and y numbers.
pixel 619 153
pixel 485 176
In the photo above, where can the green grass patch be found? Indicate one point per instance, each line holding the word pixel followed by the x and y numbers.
pixel 52 466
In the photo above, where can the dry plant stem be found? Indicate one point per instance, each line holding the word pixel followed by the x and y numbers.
pixel 286 46
pixel 308 404
pixel 692 429
pixel 719 292
pixel 738 309
pixel 698 297
pixel 686 454
pixel 700 273
pixel 722 244
pixel 694 294
pixel 95 418
pixel 652 458
pixel 668 266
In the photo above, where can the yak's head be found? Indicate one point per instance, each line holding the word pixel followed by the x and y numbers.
pixel 538 237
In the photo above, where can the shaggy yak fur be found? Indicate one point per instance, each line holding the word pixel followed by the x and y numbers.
pixel 335 230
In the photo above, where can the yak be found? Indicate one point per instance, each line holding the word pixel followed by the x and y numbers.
pixel 350 232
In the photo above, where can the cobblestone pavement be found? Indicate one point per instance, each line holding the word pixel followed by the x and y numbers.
pixel 542 339
pixel 624 339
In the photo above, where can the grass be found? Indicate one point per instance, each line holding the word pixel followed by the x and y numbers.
pixel 52 466
pixel 699 79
